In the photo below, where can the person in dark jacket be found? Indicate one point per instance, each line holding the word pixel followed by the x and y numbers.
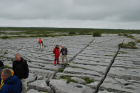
pixel 64 53
pixel 1 65
pixel 56 51
pixel 1 68
pixel 21 70
pixel 11 83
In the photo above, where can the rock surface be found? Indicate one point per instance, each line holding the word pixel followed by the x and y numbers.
pixel 39 85
pixel 61 86
pixel 80 81
pixel 89 57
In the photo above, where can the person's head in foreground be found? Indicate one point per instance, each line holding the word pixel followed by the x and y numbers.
pixel 17 57
pixel 11 83
pixel 6 73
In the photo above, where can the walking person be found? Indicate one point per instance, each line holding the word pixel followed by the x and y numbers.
pixel 21 70
pixel 40 43
pixel 64 53
pixel 56 51
pixel 11 83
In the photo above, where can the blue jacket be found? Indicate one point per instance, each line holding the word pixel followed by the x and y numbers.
pixel 12 85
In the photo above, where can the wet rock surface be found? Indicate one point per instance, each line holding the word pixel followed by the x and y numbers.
pixel 88 56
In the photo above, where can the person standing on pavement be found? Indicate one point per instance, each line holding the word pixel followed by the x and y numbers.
pixel 40 43
pixel 64 53
pixel 56 51
pixel 21 70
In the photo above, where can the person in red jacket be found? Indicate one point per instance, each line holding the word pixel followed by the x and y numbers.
pixel 56 51
pixel 40 42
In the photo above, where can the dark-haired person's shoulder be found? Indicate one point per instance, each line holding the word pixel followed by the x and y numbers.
pixel 14 61
pixel 1 64
pixel 24 61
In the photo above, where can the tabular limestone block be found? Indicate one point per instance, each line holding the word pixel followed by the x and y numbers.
pixel 93 85
pixel 81 71
pixel 51 67
pixel 34 91
pixel 31 78
pixel 60 86
pixel 39 77
pixel 105 91
pixel 39 85
pixel 96 78
pixel 8 63
pixel 47 73
pixel 117 87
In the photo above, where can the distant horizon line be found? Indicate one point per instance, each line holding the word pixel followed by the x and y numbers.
pixel 68 27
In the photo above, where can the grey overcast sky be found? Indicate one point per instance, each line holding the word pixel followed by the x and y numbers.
pixel 116 14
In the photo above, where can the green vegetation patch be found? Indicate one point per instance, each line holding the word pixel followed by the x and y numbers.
pixel 122 52
pixel 6 66
pixel 60 70
pixel 6 52
pixel 65 64
pixel 72 33
pixel 97 34
pixel 5 37
pixel 71 80
pixel 1 56
pixel 138 41
pixel 74 67
pixel 65 77
pixel 25 32
pixel 68 79
pixel 88 80
pixel 120 34
pixel 127 35
pixel 131 45
pixel 109 55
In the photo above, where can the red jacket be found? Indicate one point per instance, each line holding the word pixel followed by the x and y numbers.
pixel 40 40
pixel 56 51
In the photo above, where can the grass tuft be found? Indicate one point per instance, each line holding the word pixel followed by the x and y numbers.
pixel 72 33
pixel 131 45
pixel 5 37
pixel 88 80
pixel 6 66
pixel 71 80
pixel 60 70
pixel 138 41
pixel 97 34
pixel 68 79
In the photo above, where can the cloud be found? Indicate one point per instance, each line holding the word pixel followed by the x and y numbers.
pixel 63 12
